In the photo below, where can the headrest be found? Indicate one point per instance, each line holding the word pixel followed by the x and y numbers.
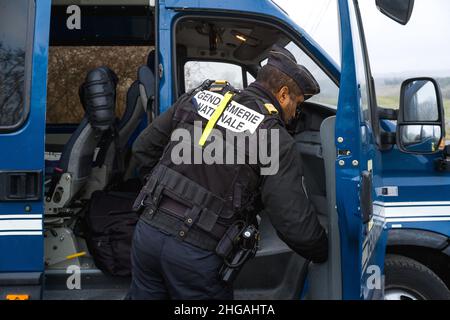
pixel 98 97
pixel 146 78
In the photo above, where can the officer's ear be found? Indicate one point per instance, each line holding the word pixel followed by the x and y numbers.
pixel 283 96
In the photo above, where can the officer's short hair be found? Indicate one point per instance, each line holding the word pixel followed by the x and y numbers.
pixel 273 79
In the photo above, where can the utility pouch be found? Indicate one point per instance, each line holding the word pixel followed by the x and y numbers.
pixel 229 240
pixel 145 192
pixel 247 245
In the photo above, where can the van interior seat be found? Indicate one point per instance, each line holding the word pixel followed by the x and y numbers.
pixel 139 93
pixel 310 148
pixel 309 144
pixel 103 172
pixel 146 79
pixel 147 89
pixel 78 153
pixel 318 152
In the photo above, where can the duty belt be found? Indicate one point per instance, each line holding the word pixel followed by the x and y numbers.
pixel 195 221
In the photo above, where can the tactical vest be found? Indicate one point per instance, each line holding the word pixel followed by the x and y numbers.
pixel 199 202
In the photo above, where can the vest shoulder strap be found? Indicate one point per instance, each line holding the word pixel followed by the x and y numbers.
pixel 217 86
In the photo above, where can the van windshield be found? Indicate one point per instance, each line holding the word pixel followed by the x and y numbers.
pixel 319 19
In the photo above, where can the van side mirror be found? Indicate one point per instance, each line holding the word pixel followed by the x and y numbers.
pixel 421 122
pixel 398 10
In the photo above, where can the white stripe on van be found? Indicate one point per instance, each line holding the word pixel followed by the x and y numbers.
pixel 20 216
pixel 412 211
pixel 27 224
pixel 410 204
pixel 435 219
pixel 20 233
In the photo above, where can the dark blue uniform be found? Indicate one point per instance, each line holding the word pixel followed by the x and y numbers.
pixel 166 268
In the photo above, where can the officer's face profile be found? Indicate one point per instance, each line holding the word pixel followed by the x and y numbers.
pixel 289 103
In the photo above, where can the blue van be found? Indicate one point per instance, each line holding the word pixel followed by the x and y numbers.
pixel 379 178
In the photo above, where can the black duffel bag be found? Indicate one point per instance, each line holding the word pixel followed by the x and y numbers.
pixel 110 222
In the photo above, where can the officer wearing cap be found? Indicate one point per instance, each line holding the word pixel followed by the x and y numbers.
pixel 189 209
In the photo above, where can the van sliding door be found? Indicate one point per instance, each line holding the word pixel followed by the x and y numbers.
pixel 24 31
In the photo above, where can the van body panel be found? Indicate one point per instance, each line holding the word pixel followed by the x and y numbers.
pixel 21 238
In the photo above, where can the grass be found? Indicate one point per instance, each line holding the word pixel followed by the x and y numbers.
pixel 388 102
pixel 393 102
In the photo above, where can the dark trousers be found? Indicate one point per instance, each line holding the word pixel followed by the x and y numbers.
pixel 163 267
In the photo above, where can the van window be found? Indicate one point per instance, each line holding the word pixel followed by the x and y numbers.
pixel 237 47
pixel 16 23
pixel 195 72
pixel 329 91
pixel 68 67
pixel 361 71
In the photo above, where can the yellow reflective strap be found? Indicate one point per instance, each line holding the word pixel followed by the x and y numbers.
pixel 220 81
pixel 215 117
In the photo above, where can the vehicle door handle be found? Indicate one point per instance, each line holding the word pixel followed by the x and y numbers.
pixel 20 185
pixel 366 202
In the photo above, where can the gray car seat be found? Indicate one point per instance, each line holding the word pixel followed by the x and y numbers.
pixel 146 83
pixel 139 94
pixel 146 79
pixel 110 153
pixel 310 147
pixel 97 96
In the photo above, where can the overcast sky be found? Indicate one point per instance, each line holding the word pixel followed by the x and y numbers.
pixel 421 47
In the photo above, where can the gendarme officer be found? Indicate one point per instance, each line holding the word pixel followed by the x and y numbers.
pixel 196 216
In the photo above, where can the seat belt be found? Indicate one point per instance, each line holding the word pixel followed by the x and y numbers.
pixel 215 117
pixel 103 147
pixel 118 156
pixel 111 136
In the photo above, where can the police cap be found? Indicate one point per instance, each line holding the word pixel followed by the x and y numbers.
pixel 284 61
